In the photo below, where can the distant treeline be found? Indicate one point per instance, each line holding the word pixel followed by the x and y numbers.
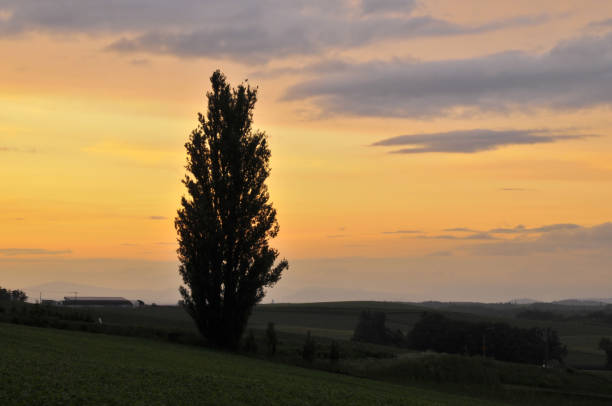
pixel 7 295
pixel 441 334
pixel 371 328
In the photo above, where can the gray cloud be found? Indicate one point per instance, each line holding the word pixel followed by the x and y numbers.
pixel 601 23
pixel 293 34
pixel 557 79
pixel 9 252
pixel 157 218
pixel 461 230
pixel 402 232
pixel 471 141
pixel 259 30
pixel 476 236
pixel 70 16
pixel 589 240
pixel 520 229
pixel 387 6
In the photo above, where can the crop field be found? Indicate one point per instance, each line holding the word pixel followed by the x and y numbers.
pixel 53 367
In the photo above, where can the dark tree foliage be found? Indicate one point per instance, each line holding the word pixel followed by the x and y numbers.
pixel 500 341
pixel 271 339
pixel 226 221
pixel 250 344
pixel 309 350
pixel 371 329
pixel 606 345
pixel 16 295
pixel 334 351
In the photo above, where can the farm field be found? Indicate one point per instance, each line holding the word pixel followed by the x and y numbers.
pixel 337 320
pixel 53 367
pixel 391 375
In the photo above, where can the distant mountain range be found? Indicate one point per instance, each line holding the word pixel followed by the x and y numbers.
pixel 568 302
pixel 584 302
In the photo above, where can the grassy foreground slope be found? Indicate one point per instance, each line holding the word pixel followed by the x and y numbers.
pixel 55 367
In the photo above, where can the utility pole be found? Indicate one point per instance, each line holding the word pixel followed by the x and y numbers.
pixel 75 296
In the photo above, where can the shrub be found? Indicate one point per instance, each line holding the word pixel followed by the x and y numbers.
pixel 606 345
pixel 271 339
pixel 309 349
pixel 334 351
pixel 250 345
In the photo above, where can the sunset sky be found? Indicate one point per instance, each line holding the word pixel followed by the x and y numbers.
pixel 425 149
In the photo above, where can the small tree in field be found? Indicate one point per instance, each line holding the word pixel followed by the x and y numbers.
pixel 225 223
pixel 334 351
pixel 271 338
pixel 309 350
pixel 606 345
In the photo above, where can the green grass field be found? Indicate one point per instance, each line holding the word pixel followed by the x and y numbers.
pixel 47 366
pixel 53 367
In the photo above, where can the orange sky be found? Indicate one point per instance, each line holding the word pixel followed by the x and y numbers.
pixel 96 103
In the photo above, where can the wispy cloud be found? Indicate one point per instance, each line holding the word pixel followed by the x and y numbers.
pixel 520 229
pixel 477 236
pixel 157 218
pixel 402 232
pixel 9 252
pixel 140 62
pixel 602 23
pixel 559 240
pixel 461 230
pixel 440 254
pixel 14 149
pixel 471 141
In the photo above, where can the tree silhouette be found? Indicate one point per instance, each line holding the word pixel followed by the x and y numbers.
pixel 271 338
pixel 15 295
pixel 225 223
pixel 606 345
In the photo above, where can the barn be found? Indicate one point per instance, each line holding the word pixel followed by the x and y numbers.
pixel 97 301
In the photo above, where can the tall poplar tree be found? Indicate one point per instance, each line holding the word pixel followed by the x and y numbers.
pixel 225 223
